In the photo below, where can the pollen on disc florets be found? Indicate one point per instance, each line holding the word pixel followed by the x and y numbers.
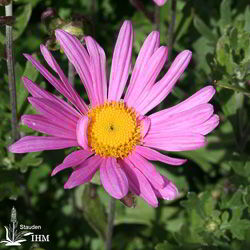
pixel 113 130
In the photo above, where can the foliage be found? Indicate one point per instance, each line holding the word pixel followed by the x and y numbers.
pixel 213 211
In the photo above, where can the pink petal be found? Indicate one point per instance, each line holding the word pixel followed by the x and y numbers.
pixel 138 183
pixel 121 62
pixel 182 121
pixel 36 91
pixel 84 172
pixel 73 96
pixel 82 132
pixel 72 160
pixel 51 79
pixel 53 111
pixel 179 141
pixel 42 124
pixel 145 122
pixel 147 169
pixel 113 178
pixel 150 44
pixel 160 2
pixel 147 79
pixel 169 192
pixel 40 143
pixel 153 155
pixel 202 96
pixel 79 57
pixel 98 70
pixel 207 126
pixel 162 88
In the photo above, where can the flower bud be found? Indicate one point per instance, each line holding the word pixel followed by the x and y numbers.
pixel 51 20
pixel 211 226
pixel 74 28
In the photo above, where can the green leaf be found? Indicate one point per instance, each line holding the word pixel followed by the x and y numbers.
pixel 166 246
pixel 204 30
pixel 8 184
pixel 194 203
pixel 22 92
pixel 94 210
pixel 240 167
pixel 205 157
pixel 233 38
pixel 22 14
pixel 36 176
pixel 238 89
pixel 225 13
pixel 33 2
pixel 183 26
pixel 30 159
pixel 230 103
pixel 247 19
pixel 224 55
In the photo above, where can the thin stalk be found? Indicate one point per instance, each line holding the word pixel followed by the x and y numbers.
pixel 171 30
pixel 71 73
pixel 139 5
pixel 11 76
pixel 111 218
pixel 157 18
pixel 94 16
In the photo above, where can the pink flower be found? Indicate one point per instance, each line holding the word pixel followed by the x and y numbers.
pixel 115 136
pixel 160 2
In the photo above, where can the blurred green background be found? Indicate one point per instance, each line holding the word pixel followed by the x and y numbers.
pixel 213 211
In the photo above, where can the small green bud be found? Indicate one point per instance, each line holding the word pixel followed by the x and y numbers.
pixel 51 20
pixel 211 226
pixel 74 28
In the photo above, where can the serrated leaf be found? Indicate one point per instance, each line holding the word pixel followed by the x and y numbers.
pixel 234 202
pixel 233 38
pixel 194 203
pixel 204 30
pixel 225 13
pixel 30 159
pixel 225 217
pixel 223 54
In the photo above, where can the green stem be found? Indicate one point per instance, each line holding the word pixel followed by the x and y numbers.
pixel 111 218
pixel 11 76
pixel 171 30
pixel 157 19
pixel 139 5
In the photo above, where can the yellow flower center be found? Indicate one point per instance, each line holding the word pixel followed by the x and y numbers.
pixel 113 130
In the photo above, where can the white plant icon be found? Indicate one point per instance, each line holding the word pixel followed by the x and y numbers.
pixel 13 238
